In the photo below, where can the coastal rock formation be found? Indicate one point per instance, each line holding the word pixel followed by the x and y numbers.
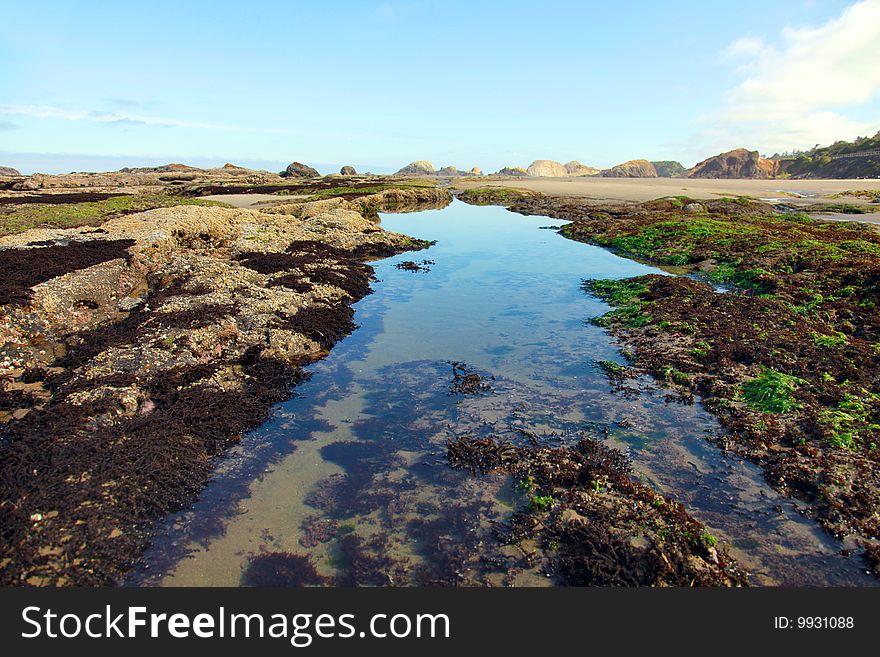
pixel 738 163
pixel 669 168
pixel 859 158
pixel 575 168
pixel 169 333
pixel 347 171
pixel 450 171
pixel 9 171
pixel 174 167
pixel 632 169
pixel 547 169
pixel 516 172
pixel 475 171
pixel 417 168
pixel 388 200
pixel 146 178
pixel 299 170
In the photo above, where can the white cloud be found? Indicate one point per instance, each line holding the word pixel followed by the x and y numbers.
pixel 747 45
pixel 797 92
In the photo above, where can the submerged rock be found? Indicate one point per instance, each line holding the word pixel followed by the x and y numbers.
pixel 299 170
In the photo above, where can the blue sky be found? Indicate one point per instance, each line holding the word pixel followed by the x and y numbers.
pixel 99 85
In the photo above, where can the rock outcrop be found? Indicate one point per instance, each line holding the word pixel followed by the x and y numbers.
pixel 299 170
pixel 417 168
pixel 347 171
pixel 738 163
pixel 450 171
pixel 575 168
pixel 173 167
pixel 145 178
pixel 516 172
pixel 9 171
pixel 669 168
pixel 173 331
pixel 632 169
pixel 547 169
pixel 388 200
pixel 475 171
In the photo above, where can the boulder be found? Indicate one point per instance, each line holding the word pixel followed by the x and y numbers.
pixel 738 163
pixel 632 169
pixel 299 170
pixel 347 171
pixel 517 172
pixel 575 168
pixel 547 169
pixel 9 171
pixel 668 168
pixel 694 208
pixel 417 168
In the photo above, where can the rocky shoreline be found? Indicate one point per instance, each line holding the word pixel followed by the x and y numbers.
pixel 134 353
pixel 771 323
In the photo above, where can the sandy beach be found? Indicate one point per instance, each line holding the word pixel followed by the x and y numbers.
pixel 646 189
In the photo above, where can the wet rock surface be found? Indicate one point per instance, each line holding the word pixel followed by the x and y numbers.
pixel 786 357
pixel 132 357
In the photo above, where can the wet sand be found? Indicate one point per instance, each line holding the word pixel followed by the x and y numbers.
pixel 646 189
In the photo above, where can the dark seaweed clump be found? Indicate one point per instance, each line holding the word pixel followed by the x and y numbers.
pixel 309 262
pixel 282 569
pixel 596 525
pixel 467 382
pixel 22 269
pixel 410 265
pixel 59 199
pixel 103 483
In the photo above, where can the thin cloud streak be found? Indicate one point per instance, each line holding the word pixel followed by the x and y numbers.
pixel 121 118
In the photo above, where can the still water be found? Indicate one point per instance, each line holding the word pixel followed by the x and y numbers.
pixel 352 470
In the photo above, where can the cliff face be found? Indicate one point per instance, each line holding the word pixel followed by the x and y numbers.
pixel 632 169
pixel 859 158
pixel 824 166
pixel 738 163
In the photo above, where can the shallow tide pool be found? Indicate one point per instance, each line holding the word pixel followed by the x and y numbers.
pixel 352 470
